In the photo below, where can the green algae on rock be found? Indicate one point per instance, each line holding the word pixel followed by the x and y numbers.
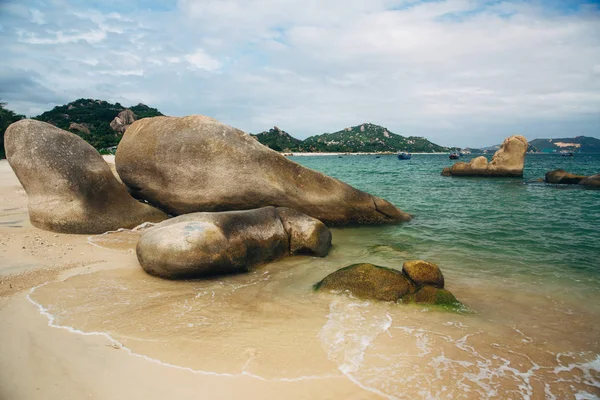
pixel 367 281
pixel 415 284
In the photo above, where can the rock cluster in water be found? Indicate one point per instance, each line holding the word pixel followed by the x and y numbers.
pixel 202 244
pixel 195 163
pixel 508 161
pixel 562 177
pixel 70 187
pixel 419 282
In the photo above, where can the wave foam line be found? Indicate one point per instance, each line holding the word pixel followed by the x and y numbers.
pixel 363 342
pixel 141 226
pixel 115 342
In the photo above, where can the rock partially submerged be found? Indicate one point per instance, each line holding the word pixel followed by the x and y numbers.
pixel 203 244
pixel 419 282
pixel 196 163
pixel 368 281
pixel 70 187
pixel 508 161
pixel 592 180
pixel 562 177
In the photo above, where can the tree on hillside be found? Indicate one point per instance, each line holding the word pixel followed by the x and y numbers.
pixel 7 117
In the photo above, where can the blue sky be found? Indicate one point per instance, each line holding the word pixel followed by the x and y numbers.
pixel 459 72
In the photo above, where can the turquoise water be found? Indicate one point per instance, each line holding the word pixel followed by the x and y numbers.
pixel 478 226
pixel 522 257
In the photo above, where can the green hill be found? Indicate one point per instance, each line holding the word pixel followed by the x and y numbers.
pixel 7 117
pixel 91 119
pixel 361 138
pixel 279 140
pixel 581 144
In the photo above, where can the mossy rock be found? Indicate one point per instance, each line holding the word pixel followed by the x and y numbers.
pixel 368 281
pixel 432 295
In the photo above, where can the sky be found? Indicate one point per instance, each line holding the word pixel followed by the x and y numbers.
pixel 458 72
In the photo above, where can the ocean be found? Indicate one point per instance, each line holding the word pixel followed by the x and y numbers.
pixel 522 256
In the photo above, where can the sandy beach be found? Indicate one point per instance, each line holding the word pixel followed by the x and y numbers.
pixel 41 359
pixel 80 319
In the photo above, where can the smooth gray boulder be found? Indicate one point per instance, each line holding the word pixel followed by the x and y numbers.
pixel 203 244
pixel 70 187
pixel 508 161
pixel 195 163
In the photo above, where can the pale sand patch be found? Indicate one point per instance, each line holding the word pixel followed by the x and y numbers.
pixel 39 361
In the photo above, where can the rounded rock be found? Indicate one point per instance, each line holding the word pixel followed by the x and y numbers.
pixel 424 273
pixel 367 281
pixel 70 187
pixel 196 163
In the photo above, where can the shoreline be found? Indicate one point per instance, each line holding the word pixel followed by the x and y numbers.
pixel 384 153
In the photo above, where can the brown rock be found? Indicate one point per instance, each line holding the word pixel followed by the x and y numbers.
pixel 196 163
pixel 122 121
pixel 592 180
pixel 508 161
pixel 424 273
pixel 79 128
pixel 560 176
pixel 431 295
pixel 203 244
pixel 70 187
pixel 367 281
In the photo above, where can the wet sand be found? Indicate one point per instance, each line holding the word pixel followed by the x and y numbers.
pixel 80 319
pixel 40 359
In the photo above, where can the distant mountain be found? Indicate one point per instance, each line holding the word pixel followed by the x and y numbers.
pixel 279 140
pixel 98 122
pixel 581 144
pixel 361 138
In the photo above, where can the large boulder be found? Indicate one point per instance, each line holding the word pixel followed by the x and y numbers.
pixel 196 163
pixel 70 187
pixel 592 180
pixel 419 282
pixel 203 244
pixel 560 176
pixel 508 161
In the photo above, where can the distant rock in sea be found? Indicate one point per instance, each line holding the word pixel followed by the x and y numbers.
pixel 508 161
pixel 203 244
pixel 196 163
pixel 592 180
pixel 562 177
pixel 419 282
pixel 70 187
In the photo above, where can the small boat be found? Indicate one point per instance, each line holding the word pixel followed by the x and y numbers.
pixel 454 156
pixel 404 156
pixel 566 153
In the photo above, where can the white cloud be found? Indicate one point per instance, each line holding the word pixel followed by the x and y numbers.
pixel 465 72
pixel 200 60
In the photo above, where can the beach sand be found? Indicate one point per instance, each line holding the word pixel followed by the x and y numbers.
pixel 80 319
pixel 41 361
